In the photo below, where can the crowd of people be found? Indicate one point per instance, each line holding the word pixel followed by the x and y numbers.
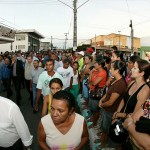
pixel 58 78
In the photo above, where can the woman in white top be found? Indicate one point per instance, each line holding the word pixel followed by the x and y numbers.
pixel 63 128
pixel 74 89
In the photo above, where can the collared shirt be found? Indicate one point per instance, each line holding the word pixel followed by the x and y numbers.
pixel 35 74
pixel 28 68
pixel 12 124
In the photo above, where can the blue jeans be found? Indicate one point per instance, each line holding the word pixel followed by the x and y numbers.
pixel 85 89
pixel 34 90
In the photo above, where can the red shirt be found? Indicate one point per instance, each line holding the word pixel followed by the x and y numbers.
pixel 97 74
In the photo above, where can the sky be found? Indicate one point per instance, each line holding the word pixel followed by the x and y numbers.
pixel 96 17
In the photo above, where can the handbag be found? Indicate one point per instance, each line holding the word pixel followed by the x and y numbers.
pixel 143 125
pixel 97 93
pixel 117 133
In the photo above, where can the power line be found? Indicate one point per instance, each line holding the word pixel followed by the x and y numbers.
pixel 128 9
pixel 10 22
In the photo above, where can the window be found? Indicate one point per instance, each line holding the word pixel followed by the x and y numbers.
pixel 20 37
pixel 21 47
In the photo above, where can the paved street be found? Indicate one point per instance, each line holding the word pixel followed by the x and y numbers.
pixel 31 119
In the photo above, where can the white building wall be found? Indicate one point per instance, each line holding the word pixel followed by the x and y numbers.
pixel 21 44
pixel 5 47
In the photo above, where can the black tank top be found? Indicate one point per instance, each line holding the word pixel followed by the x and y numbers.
pixel 131 101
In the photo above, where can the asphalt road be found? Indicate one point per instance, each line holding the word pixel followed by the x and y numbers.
pixel 31 118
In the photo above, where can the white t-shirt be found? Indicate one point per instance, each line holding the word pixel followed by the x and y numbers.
pixel 43 82
pixel 66 75
pixel 12 124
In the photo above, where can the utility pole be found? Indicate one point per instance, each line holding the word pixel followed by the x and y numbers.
pixel 119 39
pixel 75 25
pixel 74 8
pixel 66 40
pixel 95 43
pixel 132 49
pixel 51 43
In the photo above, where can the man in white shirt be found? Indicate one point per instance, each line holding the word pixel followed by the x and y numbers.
pixel 44 79
pixel 67 73
pixel 14 132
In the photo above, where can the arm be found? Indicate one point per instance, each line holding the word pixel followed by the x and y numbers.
pixel 137 137
pixel 111 101
pixel 30 85
pixel 97 81
pixel 37 98
pixel 84 137
pixel 117 114
pixel 45 105
pixel 141 97
pixel 71 81
pixel 21 126
pixel 42 137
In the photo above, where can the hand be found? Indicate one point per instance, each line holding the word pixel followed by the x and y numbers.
pixel 30 88
pixel 114 115
pixel 100 104
pixel 127 121
pixel 36 107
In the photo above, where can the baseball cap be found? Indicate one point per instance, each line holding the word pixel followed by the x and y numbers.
pixel 81 53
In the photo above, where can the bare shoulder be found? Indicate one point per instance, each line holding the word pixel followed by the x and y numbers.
pixel 145 89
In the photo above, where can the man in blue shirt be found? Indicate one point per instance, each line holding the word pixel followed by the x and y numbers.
pixel 5 77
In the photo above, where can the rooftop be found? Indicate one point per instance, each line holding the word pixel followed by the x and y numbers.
pixel 32 31
pixel 6 40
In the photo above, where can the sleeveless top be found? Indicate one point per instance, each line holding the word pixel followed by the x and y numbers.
pixel 75 78
pixel 131 101
pixel 56 140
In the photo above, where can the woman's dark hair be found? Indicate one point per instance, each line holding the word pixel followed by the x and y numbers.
pixel 100 60
pixel 56 80
pixel 107 59
pixel 134 58
pixel 89 56
pixel 75 62
pixel 118 64
pixel 119 54
pixel 144 66
pixel 65 96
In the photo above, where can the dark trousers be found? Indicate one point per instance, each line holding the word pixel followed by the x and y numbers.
pixel 7 85
pixel 27 83
pixel 17 85
pixel 17 146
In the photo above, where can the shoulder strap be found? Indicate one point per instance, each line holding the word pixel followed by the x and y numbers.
pixel 140 88
pixel 130 86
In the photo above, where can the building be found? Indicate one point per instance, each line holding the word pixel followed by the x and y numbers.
pixel 45 45
pixel 25 40
pixel 7 35
pixel 123 42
